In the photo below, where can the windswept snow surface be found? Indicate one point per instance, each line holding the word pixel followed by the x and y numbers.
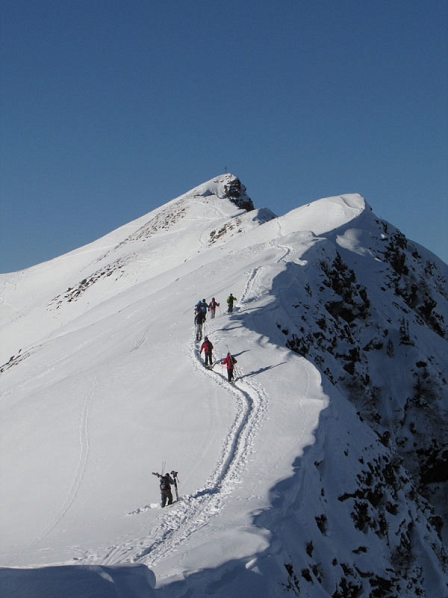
pixel 103 384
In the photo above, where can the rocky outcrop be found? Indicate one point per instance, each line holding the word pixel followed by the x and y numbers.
pixel 236 192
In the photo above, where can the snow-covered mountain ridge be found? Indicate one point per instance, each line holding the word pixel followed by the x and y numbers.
pixel 321 472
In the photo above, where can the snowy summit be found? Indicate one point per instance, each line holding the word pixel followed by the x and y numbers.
pixel 320 471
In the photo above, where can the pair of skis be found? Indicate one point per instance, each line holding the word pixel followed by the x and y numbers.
pixel 176 479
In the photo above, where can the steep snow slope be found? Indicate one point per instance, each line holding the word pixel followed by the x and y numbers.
pixel 308 476
pixel 154 244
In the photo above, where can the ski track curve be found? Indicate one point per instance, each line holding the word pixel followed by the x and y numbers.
pixel 286 248
pixel 83 434
pixel 248 295
pixel 204 238
pixel 193 511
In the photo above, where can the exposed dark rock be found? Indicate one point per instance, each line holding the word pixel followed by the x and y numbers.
pixel 236 192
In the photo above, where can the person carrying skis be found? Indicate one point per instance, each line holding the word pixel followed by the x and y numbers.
pixel 165 488
pixel 208 348
pixel 230 300
pixel 199 320
pixel 212 307
pixel 229 362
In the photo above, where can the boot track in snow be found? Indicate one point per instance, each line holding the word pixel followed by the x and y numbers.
pixel 193 511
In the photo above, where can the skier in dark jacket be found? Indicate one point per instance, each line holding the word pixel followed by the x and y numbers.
pixel 229 361
pixel 230 301
pixel 199 320
pixel 207 347
pixel 204 307
pixel 165 488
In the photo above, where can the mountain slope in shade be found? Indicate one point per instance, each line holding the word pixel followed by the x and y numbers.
pixel 321 472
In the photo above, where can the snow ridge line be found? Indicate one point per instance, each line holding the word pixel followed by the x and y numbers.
pixel 83 432
pixel 192 512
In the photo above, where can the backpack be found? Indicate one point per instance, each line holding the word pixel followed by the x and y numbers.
pixel 164 483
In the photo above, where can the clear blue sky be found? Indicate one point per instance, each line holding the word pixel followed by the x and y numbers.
pixel 110 108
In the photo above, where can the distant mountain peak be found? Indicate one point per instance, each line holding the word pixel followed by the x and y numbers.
pixel 227 186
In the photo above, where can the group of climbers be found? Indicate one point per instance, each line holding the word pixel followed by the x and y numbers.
pixel 202 307
pixel 200 315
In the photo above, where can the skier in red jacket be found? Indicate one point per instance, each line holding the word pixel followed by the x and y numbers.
pixel 208 348
pixel 212 307
pixel 229 361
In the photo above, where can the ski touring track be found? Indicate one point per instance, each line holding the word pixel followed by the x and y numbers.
pixel 188 515
pixel 193 511
pixel 83 456
pixel 249 295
